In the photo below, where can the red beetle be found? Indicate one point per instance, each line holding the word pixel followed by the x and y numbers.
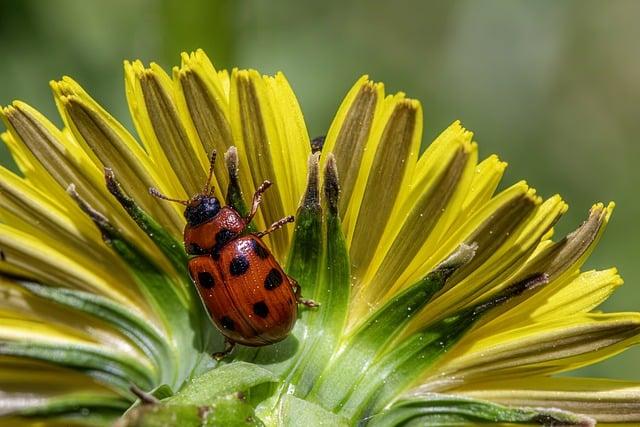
pixel 249 297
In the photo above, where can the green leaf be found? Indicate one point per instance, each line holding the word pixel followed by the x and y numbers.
pixel 369 340
pixel 226 379
pixel 438 409
pixel 295 412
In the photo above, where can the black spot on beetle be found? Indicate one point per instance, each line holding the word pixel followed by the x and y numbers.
pixel 193 249
pixel 2 256
pixel 259 250
pixel 273 279
pixel 223 236
pixel 228 323
pixel 205 279
pixel 239 265
pixel 260 309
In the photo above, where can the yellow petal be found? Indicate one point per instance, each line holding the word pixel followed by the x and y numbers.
pixel 412 227
pixel 295 146
pixel 559 299
pixel 187 158
pixel 348 136
pixel 489 228
pixel 48 264
pixel 486 178
pixel 110 143
pixel 496 271
pixel 607 401
pixel 544 347
pixel 66 161
pixel 204 109
pixel 20 305
pixel 257 131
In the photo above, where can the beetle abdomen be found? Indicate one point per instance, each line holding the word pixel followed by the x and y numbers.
pixel 220 305
pixel 259 288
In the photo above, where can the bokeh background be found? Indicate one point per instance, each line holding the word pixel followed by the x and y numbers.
pixel 552 87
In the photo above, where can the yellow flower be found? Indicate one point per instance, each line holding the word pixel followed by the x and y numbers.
pixel 442 300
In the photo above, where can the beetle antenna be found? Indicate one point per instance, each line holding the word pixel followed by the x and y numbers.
pixel 207 188
pixel 155 193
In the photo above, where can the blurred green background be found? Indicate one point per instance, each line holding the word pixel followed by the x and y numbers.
pixel 552 87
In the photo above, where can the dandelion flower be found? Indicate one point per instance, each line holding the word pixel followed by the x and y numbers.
pixel 442 300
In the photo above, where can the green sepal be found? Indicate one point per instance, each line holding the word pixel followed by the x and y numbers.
pixel 234 193
pixel 115 370
pixel 295 412
pixel 305 254
pixel 370 339
pixel 438 409
pixel 326 323
pixel 400 367
pixel 168 245
pixel 125 321
pixel 231 411
pixel 226 379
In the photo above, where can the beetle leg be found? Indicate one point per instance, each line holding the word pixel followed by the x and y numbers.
pixel 257 198
pixel 276 225
pixel 228 348
pixel 298 293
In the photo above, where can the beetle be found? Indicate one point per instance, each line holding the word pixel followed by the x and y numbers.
pixel 248 296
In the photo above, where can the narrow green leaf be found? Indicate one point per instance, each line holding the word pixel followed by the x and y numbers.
pixel 400 367
pixel 370 339
pixel 116 370
pixel 226 379
pixel 433 409
pixel 295 412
